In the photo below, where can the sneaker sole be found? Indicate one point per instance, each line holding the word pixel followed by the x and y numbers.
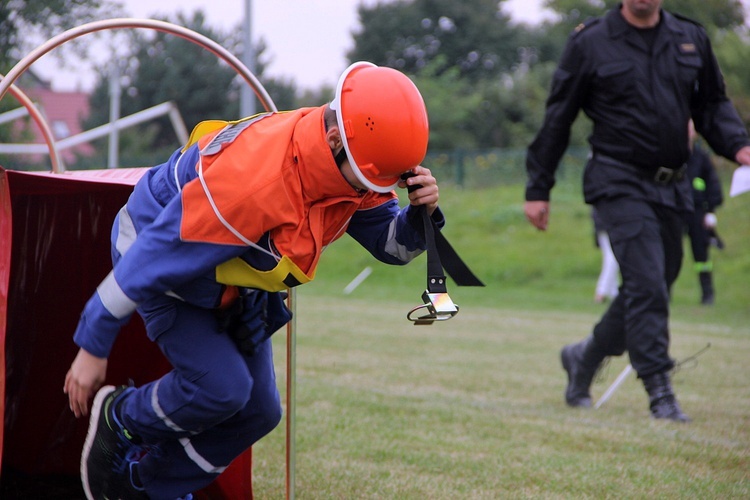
pixel 96 408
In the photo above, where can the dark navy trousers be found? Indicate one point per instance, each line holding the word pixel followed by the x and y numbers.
pixel 212 406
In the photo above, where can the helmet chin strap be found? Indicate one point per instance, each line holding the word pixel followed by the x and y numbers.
pixel 340 157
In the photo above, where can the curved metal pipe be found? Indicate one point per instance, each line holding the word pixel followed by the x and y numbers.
pixel 57 162
pixel 106 24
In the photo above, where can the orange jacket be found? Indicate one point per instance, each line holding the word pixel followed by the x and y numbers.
pixel 277 174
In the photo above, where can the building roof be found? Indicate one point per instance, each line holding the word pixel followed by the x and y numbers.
pixel 64 112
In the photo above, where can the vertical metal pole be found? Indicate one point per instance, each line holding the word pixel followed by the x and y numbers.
pixel 291 389
pixel 247 97
pixel 114 114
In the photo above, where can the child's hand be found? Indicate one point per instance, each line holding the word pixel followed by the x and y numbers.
pixel 85 376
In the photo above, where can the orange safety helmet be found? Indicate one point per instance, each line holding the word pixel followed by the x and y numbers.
pixel 383 123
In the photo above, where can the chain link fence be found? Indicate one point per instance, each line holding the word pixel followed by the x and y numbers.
pixel 482 168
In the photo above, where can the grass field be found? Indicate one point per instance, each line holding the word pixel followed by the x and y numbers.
pixel 473 407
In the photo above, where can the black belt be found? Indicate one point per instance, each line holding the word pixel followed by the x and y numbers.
pixel 440 254
pixel 661 175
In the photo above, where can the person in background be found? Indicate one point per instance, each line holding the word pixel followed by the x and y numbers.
pixel 203 250
pixel 701 224
pixel 640 74
pixel 608 283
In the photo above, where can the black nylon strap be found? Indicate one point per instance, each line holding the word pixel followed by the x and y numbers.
pixel 435 276
pixel 439 252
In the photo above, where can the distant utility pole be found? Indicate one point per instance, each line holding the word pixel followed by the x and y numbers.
pixel 115 90
pixel 247 96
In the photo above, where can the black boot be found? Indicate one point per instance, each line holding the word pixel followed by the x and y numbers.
pixel 580 361
pixel 707 288
pixel 661 398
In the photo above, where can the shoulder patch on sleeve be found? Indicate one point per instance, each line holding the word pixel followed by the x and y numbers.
pixel 585 24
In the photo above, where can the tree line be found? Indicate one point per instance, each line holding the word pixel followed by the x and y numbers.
pixel 484 78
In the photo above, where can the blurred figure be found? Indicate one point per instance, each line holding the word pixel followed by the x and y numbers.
pixel 701 224
pixel 608 283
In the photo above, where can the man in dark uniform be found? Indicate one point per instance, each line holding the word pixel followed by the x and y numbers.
pixel 701 224
pixel 640 74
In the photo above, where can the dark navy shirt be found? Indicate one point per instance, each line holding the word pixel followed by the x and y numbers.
pixel 640 97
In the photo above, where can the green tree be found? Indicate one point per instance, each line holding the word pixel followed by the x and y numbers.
pixel 733 51
pixel 26 23
pixel 451 101
pixel 711 13
pixel 721 14
pixel 474 36
pixel 316 97
pixel 163 67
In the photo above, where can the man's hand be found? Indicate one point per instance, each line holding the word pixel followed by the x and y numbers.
pixel 537 212
pixel 427 194
pixel 743 156
pixel 85 377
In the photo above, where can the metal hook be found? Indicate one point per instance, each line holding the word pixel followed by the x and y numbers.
pixel 439 307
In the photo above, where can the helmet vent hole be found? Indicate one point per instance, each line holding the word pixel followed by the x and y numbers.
pixel 370 123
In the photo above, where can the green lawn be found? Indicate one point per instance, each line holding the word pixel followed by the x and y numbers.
pixel 473 407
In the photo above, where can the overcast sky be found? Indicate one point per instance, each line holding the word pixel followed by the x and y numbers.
pixel 307 39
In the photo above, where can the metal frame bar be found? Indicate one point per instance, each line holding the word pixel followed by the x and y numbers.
pixel 55 158
pixel 13 114
pixel 169 108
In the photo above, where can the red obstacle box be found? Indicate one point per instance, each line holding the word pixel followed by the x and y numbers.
pixel 54 251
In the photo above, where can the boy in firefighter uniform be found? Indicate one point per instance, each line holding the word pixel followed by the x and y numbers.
pixel 203 251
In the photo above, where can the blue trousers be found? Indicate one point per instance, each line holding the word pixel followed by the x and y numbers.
pixel 212 406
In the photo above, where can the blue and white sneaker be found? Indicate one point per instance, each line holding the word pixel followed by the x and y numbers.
pixel 109 450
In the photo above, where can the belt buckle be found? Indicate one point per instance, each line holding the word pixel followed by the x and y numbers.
pixel 663 175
